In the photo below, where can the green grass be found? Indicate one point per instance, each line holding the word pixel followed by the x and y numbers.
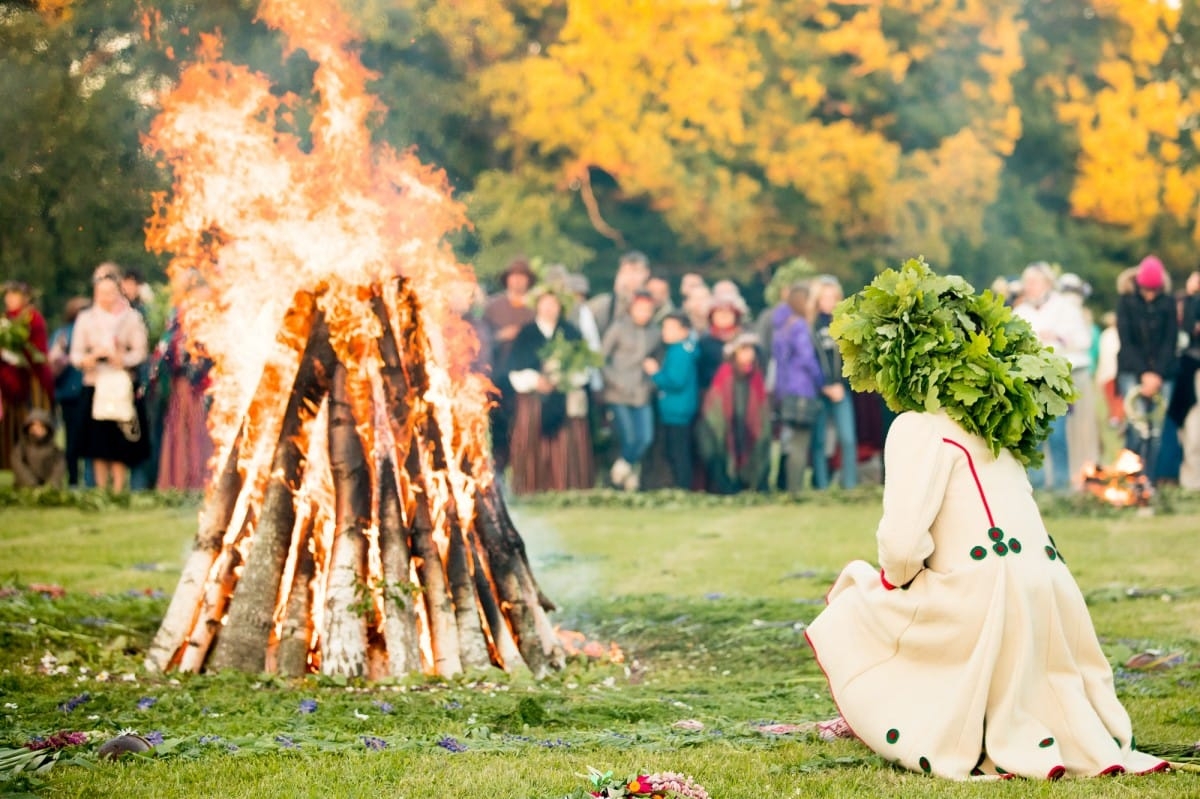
pixel 707 599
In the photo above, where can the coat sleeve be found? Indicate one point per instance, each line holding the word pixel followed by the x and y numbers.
pixel 135 340
pixel 918 468
pixel 23 475
pixel 673 374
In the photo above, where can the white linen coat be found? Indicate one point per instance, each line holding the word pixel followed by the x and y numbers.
pixel 971 652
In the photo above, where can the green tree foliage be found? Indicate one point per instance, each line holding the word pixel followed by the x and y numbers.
pixel 727 136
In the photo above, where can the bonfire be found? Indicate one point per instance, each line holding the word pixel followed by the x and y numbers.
pixel 1122 484
pixel 353 525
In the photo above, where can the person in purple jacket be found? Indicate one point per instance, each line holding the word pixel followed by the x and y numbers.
pixel 798 382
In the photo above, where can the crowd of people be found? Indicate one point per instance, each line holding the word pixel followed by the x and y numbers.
pixel 626 388
pixel 132 415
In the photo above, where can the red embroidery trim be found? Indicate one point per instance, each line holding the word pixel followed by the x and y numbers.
pixel 1111 770
pixel 885 582
pixel 1057 773
pixel 974 474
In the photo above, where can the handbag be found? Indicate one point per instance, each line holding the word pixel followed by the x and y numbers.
pixel 113 400
pixel 798 411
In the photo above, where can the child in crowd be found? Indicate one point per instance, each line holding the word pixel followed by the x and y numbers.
pixel 733 433
pixel 36 460
pixel 626 345
pixel 678 394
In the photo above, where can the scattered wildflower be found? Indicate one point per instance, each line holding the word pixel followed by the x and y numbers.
pixel 664 784
pixel 10 705
pixel 451 744
pixel 232 747
pixel 205 740
pixel 285 742
pixel 74 702
pixel 308 705
pixel 154 738
pixel 58 740
pixel 375 744
pixel 383 707
pixel 453 704
pixel 147 702
pixel 557 743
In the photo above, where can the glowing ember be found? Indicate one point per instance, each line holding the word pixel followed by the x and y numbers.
pixel 353 524
pixel 1122 484
pixel 576 643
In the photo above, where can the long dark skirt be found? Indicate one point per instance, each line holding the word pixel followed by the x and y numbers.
pixel 112 441
pixel 549 463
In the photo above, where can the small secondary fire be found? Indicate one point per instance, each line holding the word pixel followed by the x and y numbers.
pixel 1122 484
pixel 353 524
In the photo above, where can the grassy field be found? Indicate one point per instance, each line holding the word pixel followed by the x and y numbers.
pixel 707 599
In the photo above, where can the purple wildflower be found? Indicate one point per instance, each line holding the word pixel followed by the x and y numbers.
pixel 451 744
pixel 308 705
pixel 74 702
pixel 147 702
pixel 154 738
pixel 232 747
pixel 453 704
pixel 285 742
pixel 383 707
pixel 557 743
pixel 373 743
pixel 205 740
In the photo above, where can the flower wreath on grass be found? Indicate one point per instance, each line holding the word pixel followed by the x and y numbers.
pixel 928 342
pixel 663 785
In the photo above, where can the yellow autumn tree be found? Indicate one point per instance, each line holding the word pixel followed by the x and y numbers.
pixel 1134 124
pixel 773 128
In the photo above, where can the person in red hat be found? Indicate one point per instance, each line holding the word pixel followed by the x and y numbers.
pixel 1148 328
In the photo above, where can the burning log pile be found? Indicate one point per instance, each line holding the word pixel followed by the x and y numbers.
pixel 353 525
pixel 1123 484
pixel 356 554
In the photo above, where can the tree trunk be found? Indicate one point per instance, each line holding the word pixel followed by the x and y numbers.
pixel 399 617
pixel 344 646
pixel 214 520
pixel 243 641
pixel 291 655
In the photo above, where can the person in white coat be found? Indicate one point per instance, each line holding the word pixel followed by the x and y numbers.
pixel 969 651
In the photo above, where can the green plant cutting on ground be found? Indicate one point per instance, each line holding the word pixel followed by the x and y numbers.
pixel 707 599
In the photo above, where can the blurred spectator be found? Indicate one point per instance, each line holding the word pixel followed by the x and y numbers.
pixel 798 384
pixel 678 395
pixel 1184 408
pixel 1106 369
pixel 691 283
pixel 26 381
pixel 505 314
pixel 1146 363
pixel 696 305
pixel 733 432
pixel 68 386
pixel 1060 325
pixel 1083 421
pixel 37 461
pixel 723 325
pixel 181 379
pixel 627 344
pixel 633 270
pixel 110 336
pixel 836 405
pixel 551 444
pixel 660 290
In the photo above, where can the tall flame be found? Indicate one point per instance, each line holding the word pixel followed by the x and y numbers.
pixel 268 225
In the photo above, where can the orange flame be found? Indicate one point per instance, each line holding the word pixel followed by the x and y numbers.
pixel 268 224
pixel 1122 484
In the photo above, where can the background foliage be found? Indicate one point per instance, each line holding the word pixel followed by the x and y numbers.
pixel 731 137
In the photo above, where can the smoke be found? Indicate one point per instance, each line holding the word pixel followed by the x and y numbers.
pixel 566 577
